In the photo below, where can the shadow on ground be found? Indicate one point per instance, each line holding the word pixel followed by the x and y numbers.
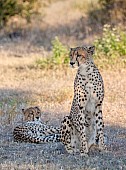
pixel 53 156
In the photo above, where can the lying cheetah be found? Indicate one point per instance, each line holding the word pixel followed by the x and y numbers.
pixel 32 114
pixel 33 128
pixel 35 131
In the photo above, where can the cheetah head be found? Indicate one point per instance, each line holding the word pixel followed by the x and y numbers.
pixel 81 55
pixel 32 114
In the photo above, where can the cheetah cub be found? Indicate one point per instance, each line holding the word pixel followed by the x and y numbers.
pixel 33 129
pixel 32 114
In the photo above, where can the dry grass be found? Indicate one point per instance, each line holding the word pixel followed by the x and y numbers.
pixel 22 86
pixel 52 91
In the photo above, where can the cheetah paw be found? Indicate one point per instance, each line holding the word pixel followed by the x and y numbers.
pixel 103 148
pixel 70 151
pixel 84 154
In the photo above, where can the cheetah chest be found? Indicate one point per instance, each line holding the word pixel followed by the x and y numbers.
pixel 91 99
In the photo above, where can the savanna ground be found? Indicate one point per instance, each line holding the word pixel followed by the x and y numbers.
pixel 22 84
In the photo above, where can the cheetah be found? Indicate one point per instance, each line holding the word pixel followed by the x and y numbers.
pixel 87 102
pixel 33 128
pixel 32 114
pixel 84 125
pixel 88 99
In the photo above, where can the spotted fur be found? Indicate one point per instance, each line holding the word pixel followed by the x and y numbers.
pixel 88 99
pixel 85 123
pixel 33 128
pixel 35 131
pixel 32 114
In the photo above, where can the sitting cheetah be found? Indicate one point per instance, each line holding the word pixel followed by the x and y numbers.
pixel 88 99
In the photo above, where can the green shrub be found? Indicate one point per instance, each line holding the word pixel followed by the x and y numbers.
pixel 8 8
pixel 60 52
pixel 59 56
pixel 110 51
pixel 112 43
pixel 111 46
pixel 25 9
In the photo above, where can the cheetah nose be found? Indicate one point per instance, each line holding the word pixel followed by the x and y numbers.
pixel 37 118
pixel 72 63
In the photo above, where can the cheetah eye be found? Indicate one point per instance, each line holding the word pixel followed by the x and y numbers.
pixel 78 56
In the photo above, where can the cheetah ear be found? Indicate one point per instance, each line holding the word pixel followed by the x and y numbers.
pixel 91 49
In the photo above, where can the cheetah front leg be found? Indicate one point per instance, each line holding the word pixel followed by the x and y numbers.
pixel 78 120
pixel 99 127
pixel 80 123
pixel 81 129
pixel 84 145
pixel 93 133
pixel 66 128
